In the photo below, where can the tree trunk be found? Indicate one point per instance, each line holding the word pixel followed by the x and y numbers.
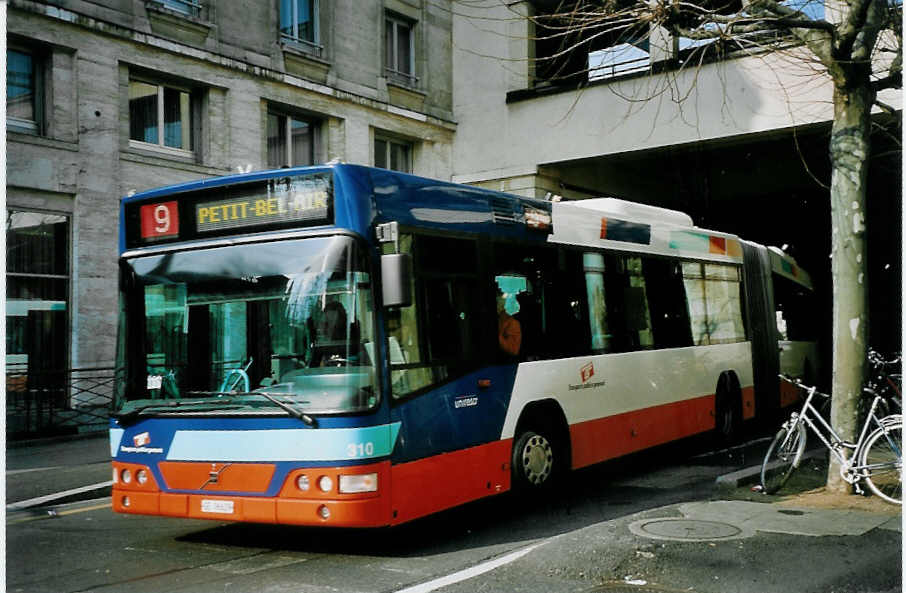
pixel 849 152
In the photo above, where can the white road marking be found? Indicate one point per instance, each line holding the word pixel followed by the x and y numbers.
pixel 12 472
pixel 31 502
pixel 470 572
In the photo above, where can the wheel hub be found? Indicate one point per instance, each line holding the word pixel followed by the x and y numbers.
pixel 537 459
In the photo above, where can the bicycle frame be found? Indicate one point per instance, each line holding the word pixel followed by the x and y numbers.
pixel 849 470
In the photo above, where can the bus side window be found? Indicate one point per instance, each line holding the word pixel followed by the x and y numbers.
pixel 594 267
pixel 667 302
pixel 795 310
pixel 714 297
pixel 432 339
pixel 565 309
pixel 627 305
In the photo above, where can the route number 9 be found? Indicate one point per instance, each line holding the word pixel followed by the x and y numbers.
pixel 159 220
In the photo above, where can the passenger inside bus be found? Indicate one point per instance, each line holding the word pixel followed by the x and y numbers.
pixel 509 331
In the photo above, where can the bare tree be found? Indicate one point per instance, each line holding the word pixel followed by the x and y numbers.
pixel 857 44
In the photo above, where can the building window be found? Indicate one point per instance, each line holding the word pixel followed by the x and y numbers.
pixel 399 51
pixel 149 105
pixel 37 291
pixel 23 90
pixel 299 24
pixel 291 140
pixel 186 7
pixel 618 60
pixel 393 154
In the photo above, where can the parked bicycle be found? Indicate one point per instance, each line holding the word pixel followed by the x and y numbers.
pixel 876 458
pixel 886 379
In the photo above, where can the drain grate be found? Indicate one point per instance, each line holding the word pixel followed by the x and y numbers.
pixel 688 530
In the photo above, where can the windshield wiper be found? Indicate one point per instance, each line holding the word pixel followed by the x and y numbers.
pixel 135 413
pixel 289 409
pixel 292 411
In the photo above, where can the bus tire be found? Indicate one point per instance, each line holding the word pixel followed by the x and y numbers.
pixel 727 408
pixel 535 460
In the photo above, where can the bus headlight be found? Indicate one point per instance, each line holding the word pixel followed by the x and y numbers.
pixel 141 476
pixel 325 483
pixel 127 476
pixel 358 483
pixel 303 483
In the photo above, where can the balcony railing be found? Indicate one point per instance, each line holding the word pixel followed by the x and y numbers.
pixel 303 45
pixel 401 78
pixel 192 8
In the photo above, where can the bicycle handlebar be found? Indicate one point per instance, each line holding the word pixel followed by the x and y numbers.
pixel 798 383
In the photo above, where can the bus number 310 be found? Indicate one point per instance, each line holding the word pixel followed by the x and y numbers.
pixel 355 450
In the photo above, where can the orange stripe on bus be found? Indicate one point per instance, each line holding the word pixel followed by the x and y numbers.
pixel 607 438
pixel 429 485
pixel 748 403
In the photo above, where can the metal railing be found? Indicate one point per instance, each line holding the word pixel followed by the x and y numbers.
pixel 57 402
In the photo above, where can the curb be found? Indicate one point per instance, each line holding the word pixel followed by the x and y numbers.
pixel 751 475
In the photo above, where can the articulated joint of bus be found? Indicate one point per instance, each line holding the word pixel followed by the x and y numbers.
pixel 347 496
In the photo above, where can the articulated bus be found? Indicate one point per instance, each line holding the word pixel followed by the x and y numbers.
pixel 349 346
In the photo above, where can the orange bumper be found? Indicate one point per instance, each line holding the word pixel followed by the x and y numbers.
pixel 291 505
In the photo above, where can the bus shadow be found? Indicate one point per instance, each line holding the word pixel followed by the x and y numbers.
pixel 611 490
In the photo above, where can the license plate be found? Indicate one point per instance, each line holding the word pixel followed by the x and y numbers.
pixel 217 506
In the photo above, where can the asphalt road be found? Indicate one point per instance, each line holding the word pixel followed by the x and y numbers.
pixel 577 540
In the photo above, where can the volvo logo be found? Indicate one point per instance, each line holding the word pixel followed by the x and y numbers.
pixel 214 474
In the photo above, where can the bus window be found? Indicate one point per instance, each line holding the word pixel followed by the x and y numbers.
pixel 248 318
pixel 714 295
pixel 432 340
pixel 667 302
pixel 565 308
pixel 509 287
pixel 594 268
pixel 794 310
pixel 626 302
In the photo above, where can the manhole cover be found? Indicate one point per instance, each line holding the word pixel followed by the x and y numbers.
pixel 687 530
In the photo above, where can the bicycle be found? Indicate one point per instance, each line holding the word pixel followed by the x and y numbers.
pixel 876 457
pixel 885 378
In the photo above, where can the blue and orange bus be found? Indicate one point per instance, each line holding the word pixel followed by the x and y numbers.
pixel 349 346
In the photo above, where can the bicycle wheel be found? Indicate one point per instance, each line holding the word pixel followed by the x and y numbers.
pixel 782 457
pixel 882 462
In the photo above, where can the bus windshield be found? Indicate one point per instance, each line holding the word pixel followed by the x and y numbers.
pixel 289 320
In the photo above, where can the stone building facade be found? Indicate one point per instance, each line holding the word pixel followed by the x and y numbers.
pixel 109 97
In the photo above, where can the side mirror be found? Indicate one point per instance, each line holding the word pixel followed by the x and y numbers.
pixel 396 276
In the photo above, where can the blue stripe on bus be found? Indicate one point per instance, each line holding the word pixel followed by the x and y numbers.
pixel 454 416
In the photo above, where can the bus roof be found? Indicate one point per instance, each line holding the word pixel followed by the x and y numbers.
pixel 372 196
pixel 783 264
pixel 375 196
pixel 629 226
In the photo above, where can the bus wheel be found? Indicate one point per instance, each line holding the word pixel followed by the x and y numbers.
pixel 727 408
pixel 534 460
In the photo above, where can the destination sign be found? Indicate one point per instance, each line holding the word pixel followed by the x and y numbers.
pixel 288 199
